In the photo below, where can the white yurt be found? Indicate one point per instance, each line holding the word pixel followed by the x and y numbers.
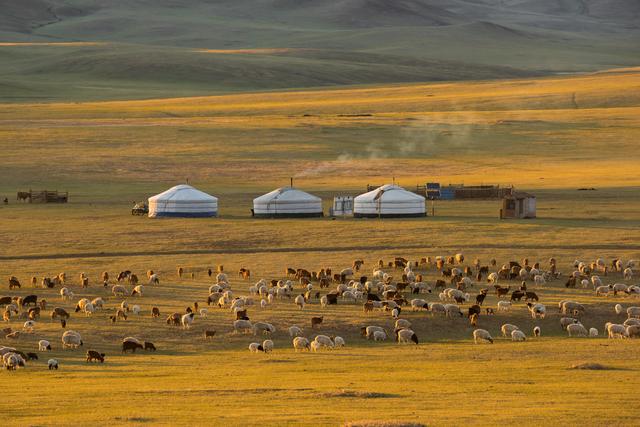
pixel 287 202
pixel 183 201
pixel 389 201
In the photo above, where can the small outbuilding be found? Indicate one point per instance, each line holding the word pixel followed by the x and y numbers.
pixel 183 201
pixel 287 202
pixel 389 201
pixel 518 204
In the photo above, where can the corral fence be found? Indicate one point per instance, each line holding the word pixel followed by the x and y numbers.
pixel 43 196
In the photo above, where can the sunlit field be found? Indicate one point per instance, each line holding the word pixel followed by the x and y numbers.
pixel 549 136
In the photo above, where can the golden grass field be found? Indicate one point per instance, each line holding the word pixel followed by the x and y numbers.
pixel 549 136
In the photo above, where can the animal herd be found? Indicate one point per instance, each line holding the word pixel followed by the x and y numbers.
pixel 441 286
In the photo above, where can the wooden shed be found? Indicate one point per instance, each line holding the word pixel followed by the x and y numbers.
pixel 518 204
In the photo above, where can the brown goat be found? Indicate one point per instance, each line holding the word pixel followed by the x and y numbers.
pixel 316 321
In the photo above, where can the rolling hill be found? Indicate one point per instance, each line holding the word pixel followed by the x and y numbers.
pixel 172 47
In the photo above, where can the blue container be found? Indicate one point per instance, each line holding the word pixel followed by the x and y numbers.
pixel 447 194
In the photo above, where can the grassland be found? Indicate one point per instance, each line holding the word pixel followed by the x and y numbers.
pixel 550 136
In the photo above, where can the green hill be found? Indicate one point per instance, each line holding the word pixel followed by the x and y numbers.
pixel 153 48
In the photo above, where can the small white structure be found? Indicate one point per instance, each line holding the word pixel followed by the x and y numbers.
pixel 518 205
pixel 287 202
pixel 183 201
pixel 342 205
pixel 389 201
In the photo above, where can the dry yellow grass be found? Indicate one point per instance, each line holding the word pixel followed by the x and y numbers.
pixel 512 132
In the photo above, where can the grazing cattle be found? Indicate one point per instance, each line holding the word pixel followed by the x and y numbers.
pixel 174 319
pixel 517 295
pixel 123 275
pixel 14 282
pixel 29 299
pixel 316 321
pixel 93 355
pixel 131 346
pixel 531 296
pixel 480 298
pixel 332 299
pixel 244 273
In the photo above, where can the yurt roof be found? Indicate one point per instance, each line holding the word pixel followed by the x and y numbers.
pixel 390 193
pixel 182 192
pixel 286 194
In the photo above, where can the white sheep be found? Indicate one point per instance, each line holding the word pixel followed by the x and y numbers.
pixel 379 335
pixel 518 336
pixel 633 331
pixel 135 309
pixel 323 341
pixel 419 304
pixel 370 330
pixel 615 330
pixel 12 361
pixel 504 305
pixel 537 310
pixel 402 324
pixel 89 309
pixel 349 295
pixel 301 343
pixel 627 273
pixel 270 298
pixel 507 329
pixel 451 310
pixel 619 288
pixel 593 332
pixel 619 309
pixel 28 326
pixel 255 347
pixel 603 290
pixel 566 321
pixel 295 331
pixel 138 290
pixel 633 312
pixel 263 303
pixel 203 313
pixel 482 335
pixel 66 294
pixel 267 346
pixel 537 331
pixel 53 364
pixel 493 279
pixel 577 330
pixel 324 301
pixel 406 336
pixel 596 281
pixel 44 345
pixel 98 303
pixel 338 342
pixel 118 290
pixel 437 308
pixel 264 327
pixel 242 325
pixel 299 301
pixel 71 339
pixel 631 321
pixel 186 320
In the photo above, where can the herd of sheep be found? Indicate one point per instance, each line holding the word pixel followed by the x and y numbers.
pixel 441 286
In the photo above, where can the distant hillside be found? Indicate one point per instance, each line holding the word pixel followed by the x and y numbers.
pixel 153 48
